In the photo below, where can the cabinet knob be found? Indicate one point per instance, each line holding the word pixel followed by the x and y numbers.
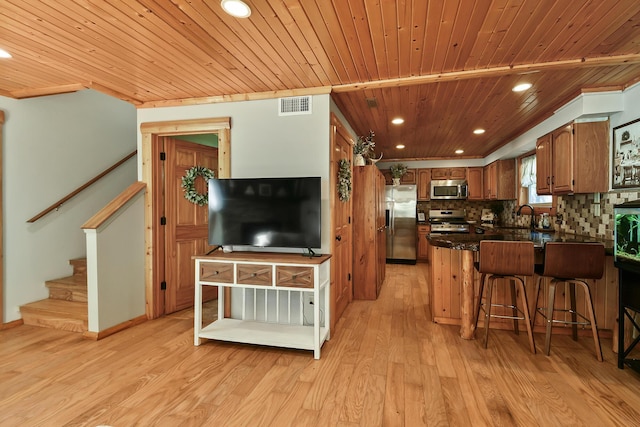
pixel 338 238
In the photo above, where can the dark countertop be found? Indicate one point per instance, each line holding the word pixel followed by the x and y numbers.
pixel 471 241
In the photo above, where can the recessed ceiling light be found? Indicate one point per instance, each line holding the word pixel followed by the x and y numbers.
pixel 4 54
pixel 400 146
pixel 397 121
pixel 478 131
pixel 236 8
pixel 459 151
pixel 521 87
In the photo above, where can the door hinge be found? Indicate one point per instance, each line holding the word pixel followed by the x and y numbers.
pixel 163 220
pixel 163 286
pixel 163 156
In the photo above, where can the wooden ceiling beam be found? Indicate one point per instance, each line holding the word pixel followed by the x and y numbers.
pixel 603 61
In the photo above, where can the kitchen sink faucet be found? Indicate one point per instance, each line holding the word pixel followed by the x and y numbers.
pixel 533 217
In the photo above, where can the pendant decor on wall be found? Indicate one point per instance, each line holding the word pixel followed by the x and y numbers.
pixel 188 184
pixel 344 180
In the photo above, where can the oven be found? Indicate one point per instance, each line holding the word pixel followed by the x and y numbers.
pixel 449 189
pixel 449 221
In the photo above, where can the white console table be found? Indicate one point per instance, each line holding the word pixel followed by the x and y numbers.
pixel 273 289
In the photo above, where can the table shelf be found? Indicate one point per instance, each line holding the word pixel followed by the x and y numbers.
pixel 272 290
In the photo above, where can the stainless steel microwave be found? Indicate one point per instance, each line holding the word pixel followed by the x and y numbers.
pixel 449 189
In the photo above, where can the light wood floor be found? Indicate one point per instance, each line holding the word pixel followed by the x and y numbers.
pixel 386 364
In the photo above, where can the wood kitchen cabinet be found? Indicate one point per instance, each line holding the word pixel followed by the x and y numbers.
pixel 423 243
pixel 448 173
pixel 408 178
pixel 475 183
pixel 369 237
pixel 574 159
pixel 386 173
pixel 499 180
pixel 424 184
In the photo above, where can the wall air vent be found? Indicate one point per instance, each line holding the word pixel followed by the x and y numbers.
pixel 294 105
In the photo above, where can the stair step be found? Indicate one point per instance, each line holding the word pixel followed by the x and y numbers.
pixel 72 288
pixel 56 314
pixel 79 266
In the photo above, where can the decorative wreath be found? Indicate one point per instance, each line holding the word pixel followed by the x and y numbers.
pixel 344 180
pixel 188 181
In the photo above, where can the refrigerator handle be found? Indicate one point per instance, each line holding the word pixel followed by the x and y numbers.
pixel 386 218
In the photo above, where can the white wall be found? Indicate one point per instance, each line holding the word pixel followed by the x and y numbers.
pixel 115 282
pixel 51 146
pixel 631 107
pixel 264 144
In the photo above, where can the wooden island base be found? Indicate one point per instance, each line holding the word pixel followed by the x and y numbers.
pixel 455 286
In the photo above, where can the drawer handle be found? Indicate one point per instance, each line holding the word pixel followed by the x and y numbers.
pixel 253 274
pixel 215 273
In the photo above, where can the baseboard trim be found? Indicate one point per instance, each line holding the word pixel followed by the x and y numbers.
pixel 12 324
pixel 95 336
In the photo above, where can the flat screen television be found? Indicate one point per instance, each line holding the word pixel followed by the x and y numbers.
pixel 265 212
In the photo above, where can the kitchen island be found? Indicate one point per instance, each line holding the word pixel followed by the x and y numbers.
pixel 455 284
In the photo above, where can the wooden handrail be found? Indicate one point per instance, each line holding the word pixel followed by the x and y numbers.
pixel 113 206
pixel 74 193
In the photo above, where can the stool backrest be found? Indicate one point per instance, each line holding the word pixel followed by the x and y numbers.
pixel 506 258
pixel 574 260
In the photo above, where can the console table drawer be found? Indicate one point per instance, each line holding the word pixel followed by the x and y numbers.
pixel 254 274
pixel 295 277
pixel 217 272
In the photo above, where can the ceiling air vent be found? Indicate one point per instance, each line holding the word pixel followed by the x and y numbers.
pixel 372 102
pixel 294 105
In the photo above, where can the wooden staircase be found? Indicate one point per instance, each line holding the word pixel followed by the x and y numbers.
pixel 66 307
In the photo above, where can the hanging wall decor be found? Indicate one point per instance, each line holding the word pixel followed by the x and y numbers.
pixel 188 184
pixel 344 180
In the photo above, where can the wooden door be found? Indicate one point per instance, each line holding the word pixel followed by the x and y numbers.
pixel 342 251
pixel 186 230
pixel 381 238
pixel 543 165
pixel 490 181
pixel 562 163
pixel 439 173
pixel 424 184
pixel 474 179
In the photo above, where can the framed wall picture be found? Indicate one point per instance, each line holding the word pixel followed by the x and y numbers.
pixel 626 155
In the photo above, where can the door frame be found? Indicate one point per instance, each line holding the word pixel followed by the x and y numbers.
pixel 152 133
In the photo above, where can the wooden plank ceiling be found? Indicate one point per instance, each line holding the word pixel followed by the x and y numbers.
pixel 446 67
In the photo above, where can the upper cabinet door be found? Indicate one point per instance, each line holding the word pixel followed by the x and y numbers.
pixel 424 184
pixel 474 179
pixel 562 163
pixel 543 165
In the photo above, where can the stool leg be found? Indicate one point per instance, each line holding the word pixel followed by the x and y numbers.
pixel 550 306
pixel 592 315
pixel 574 315
pixel 525 311
pixel 535 301
pixel 479 302
pixel 514 304
pixel 487 310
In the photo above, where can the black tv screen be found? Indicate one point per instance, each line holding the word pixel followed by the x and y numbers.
pixel 265 212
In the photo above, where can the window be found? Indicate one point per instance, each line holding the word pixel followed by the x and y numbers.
pixel 528 182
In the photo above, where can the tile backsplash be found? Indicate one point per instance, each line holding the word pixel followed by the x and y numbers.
pixel 576 213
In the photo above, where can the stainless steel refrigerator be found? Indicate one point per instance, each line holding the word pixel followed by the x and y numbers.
pixel 401 223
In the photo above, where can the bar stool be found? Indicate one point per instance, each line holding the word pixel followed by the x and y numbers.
pixel 505 260
pixel 570 263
